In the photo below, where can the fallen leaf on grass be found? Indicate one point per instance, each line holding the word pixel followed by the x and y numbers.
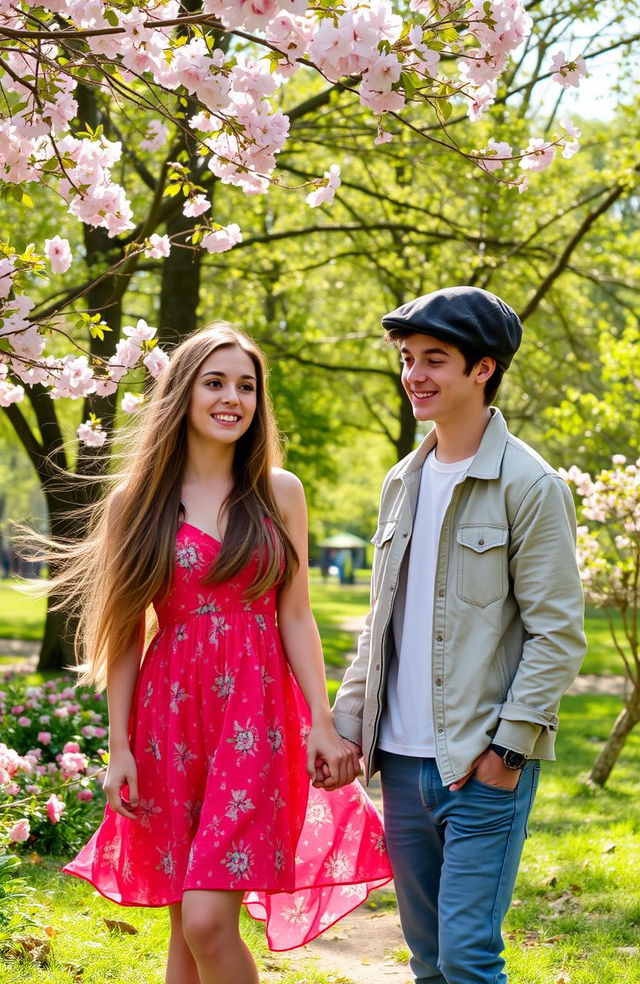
pixel 563 978
pixel 50 931
pixel 609 848
pixel 628 951
pixel 36 949
pixel 118 926
pixel 77 973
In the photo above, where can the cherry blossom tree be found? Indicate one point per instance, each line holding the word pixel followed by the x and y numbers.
pixel 609 554
pixel 226 62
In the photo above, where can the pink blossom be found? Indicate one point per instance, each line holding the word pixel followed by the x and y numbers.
pixel 568 71
pixel 222 239
pixel 12 789
pixel 7 270
pixel 71 746
pixel 156 361
pixel 132 402
pixel 55 808
pixel 538 155
pixel 494 154
pixel 72 763
pixel 156 137
pixel 196 206
pixel 326 192
pixel 20 831
pixel 85 795
pixel 158 246
pixel 24 722
pixel 93 436
pixel 141 333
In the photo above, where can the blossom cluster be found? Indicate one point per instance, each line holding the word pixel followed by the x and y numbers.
pixel 609 542
pixel 389 61
pixel 50 757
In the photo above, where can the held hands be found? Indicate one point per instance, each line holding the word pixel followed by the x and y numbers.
pixel 122 771
pixel 491 770
pixel 332 761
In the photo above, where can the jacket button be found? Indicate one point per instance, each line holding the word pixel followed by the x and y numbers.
pixel 438 682
pixel 438 638
pixel 377 666
pixel 440 730
pixel 441 593
pixel 405 535
pixel 481 543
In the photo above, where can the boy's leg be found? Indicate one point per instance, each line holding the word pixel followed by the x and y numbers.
pixel 485 830
pixel 414 841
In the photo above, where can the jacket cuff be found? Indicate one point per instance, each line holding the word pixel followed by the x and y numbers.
pixel 519 736
pixel 348 726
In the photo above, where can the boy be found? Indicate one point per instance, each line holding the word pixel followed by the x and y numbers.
pixel 475 632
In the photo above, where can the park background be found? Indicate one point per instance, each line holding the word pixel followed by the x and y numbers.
pixel 310 286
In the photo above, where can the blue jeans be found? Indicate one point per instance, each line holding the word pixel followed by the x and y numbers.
pixel 455 858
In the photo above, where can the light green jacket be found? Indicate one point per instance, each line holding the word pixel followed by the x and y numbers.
pixel 508 633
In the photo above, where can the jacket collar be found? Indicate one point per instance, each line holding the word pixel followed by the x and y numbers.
pixel 487 460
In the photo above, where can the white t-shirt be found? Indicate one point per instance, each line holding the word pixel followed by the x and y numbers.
pixel 406 726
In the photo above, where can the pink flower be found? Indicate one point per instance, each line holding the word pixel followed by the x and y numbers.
pixel 12 789
pixel 59 254
pixel 494 154
pixel 72 763
pixel 568 72
pixel 538 155
pixel 196 206
pixel 94 437
pixel 326 192
pixel 156 137
pixel 55 808
pixel 85 795
pixel 20 831
pixel 132 402
pixel 222 239
pixel 71 746
pixel 158 246
pixel 24 722
pixel 156 361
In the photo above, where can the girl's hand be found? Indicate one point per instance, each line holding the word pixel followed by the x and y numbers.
pixel 122 771
pixel 330 762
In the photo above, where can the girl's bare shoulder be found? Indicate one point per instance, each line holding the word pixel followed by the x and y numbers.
pixel 287 488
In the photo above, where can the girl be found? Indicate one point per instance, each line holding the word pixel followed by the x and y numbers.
pixel 227 782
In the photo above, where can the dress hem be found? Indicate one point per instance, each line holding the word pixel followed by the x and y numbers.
pixel 373 883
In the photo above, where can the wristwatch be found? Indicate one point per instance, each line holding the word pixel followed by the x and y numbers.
pixel 512 760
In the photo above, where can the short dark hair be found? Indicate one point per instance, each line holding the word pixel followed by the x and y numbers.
pixel 470 355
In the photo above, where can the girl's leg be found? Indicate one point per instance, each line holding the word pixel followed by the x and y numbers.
pixel 181 967
pixel 210 924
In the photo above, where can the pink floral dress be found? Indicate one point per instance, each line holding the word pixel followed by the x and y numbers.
pixel 218 731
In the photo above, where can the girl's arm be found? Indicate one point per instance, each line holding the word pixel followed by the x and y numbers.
pixel 121 682
pixel 329 762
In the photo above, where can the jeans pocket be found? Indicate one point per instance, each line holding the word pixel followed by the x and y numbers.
pixel 495 790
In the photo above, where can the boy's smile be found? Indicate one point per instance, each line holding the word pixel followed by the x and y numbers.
pixel 435 380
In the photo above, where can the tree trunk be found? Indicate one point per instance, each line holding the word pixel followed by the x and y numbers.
pixel 625 723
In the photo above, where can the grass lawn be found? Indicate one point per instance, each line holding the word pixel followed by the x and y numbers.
pixel 84 949
pixel 578 905
pixel 576 915
pixel 21 617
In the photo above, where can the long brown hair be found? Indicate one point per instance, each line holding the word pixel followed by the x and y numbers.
pixel 109 579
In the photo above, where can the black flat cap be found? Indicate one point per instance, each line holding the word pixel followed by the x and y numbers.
pixel 466 316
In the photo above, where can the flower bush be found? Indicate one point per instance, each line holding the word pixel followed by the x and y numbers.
pixel 52 756
pixel 609 556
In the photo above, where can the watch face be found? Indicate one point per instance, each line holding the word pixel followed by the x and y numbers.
pixel 514 760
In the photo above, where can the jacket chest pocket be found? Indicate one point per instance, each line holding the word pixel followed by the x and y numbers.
pixel 482 563
pixel 384 533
